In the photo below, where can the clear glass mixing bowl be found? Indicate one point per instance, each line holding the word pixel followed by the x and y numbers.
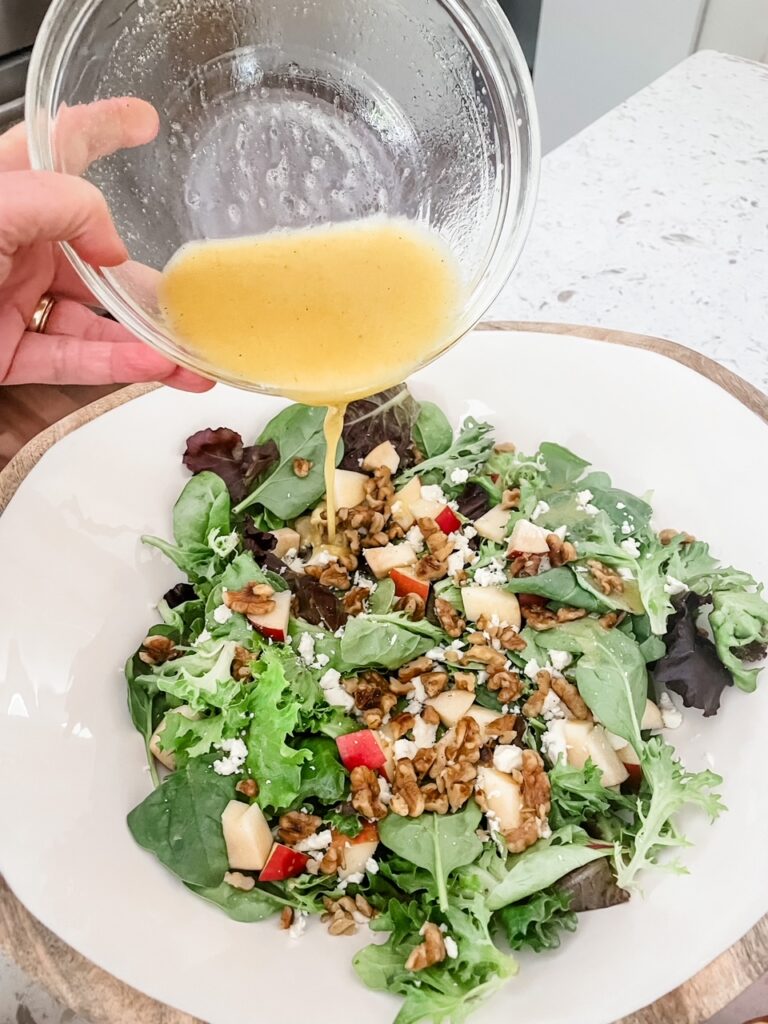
pixel 293 113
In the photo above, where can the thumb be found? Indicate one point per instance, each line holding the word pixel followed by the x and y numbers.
pixel 41 206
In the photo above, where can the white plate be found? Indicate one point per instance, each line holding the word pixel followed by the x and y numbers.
pixel 77 596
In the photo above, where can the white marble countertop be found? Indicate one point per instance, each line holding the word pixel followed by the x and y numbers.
pixel 655 218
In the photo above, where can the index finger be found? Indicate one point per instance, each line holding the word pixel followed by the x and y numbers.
pixel 85 133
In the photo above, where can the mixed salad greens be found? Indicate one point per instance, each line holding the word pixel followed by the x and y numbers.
pixel 449 722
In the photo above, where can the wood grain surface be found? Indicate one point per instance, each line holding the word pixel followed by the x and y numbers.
pixel 98 997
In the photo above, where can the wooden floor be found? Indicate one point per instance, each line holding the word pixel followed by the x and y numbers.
pixel 26 409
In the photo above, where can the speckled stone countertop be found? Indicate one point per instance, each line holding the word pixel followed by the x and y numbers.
pixel 653 220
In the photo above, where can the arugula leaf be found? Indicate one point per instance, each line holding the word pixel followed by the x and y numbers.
pixel 610 674
pixel 432 433
pixel 558 585
pixel 298 433
pixel 322 775
pixel 180 822
pixel 255 905
pixel 739 619
pixel 667 789
pixel 469 451
pixel 387 416
pixel 438 843
pixel 386 641
pixel 537 922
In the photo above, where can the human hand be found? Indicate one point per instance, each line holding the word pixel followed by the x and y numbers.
pixel 38 209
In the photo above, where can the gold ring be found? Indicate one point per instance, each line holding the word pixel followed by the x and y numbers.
pixel 41 314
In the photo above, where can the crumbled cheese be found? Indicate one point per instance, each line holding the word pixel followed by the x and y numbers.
pixel 560 660
pixel 451 949
pixel 292 560
pixel 318 841
pixel 627 527
pixel 620 505
pixel 203 638
pixel 405 748
pixel 462 547
pixel 434 492
pixel 532 668
pixel 363 581
pixel 307 648
pixel 323 558
pixel 674 587
pixel 469 532
pixel 553 744
pixel 320 661
pixel 415 538
pixel 494 822
pixel 334 693
pixel 561 532
pixel 631 547
pixel 552 707
pixel 424 734
pixel 236 752
pixel 353 879
pixel 459 476
pixel 298 926
pixel 541 510
pixel 671 716
pixel 491 575
pixel 436 654
pixel 507 758
pixel 584 499
pixel 385 791
pixel 544 830
pixel 222 614
pixel 455 562
pixel 626 574
pixel 481 678
pixel 372 866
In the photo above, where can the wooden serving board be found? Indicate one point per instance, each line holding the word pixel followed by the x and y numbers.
pixel 98 997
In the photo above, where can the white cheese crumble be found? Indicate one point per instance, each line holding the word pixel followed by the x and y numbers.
pixel 372 866
pixel 491 575
pixel 469 532
pixel 553 707
pixel 671 716
pixel 353 879
pixel 318 841
pixel 494 822
pixel 436 654
pixel 553 744
pixel 385 791
pixel 298 926
pixel 627 527
pixel 560 660
pixel 541 510
pixel 203 638
pixel 630 547
pixel 307 648
pixel 415 538
pixel 424 734
pixel 455 563
pixel 405 748
pixel 362 581
pixel 625 573
pixel 418 696
pixel 674 587
pixel 462 547
pixel 334 693
pixel 620 505
pixel 236 752
pixel 222 614
pixel 507 758
pixel 451 949
pixel 584 499
pixel 532 668
pixel 434 492
pixel 458 476
pixel 561 532
pixel 292 560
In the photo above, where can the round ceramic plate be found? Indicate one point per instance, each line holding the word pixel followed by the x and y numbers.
pixel 77 594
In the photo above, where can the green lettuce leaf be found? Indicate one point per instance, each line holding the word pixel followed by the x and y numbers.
pixel 739 619
pixel 538 922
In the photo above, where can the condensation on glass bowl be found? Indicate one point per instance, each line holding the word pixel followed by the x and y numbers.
pixel 292 114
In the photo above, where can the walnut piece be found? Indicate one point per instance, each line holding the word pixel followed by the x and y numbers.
pixel 542 618
pixel 535 703
pixel 430 952
pixel 524 565
pixel 400 725
pixel 253 599
pixel 667 536
pixel 462 743
pixel 535 791
pixel 449 618
pixel 366 796
pixel 157 649
pixel 413 606
pixel 415 668
pixel 434 682
pixel 607 579
pixel 572 699
pixel 354 600
pixel 407 798
pixel 302 467
pixel 241 663
pixel 334 576
pixel 430 568
pixel 507 685
pixel 511 498
pixel 296 825
pixel 239 881
pixel 458 781
pixel 379 490
pixel 438 543
pixel 286 918
pixel 503 728
pixel 560 551
pixel 466 681
pixel 248 787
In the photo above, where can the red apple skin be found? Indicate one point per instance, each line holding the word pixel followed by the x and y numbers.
pixel 360 748
pixel 282 862
pixel 407 584
pixel 271 634
pixel 448 521
pixel 635 777
pixel 531 600
pixel 369 833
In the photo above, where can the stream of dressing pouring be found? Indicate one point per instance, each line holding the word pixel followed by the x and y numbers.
pixel 320 315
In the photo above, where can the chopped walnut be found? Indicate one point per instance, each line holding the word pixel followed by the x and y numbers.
pixel 241 663
pixel 366 798
pixel 667 536
pixel 354 600
pixel 458 782
pixel 524 565
pixel 511 498
pixel 535 791
pixel 571 697
pixel 400 725
pixel 430 716
pixel 503 728
pixel 239 881
pixel 413 606
pixel 248 787
pixel 395 531
pixel 407 798
pixel 430 568
pixel 493 660
pixel 430 952
pixel 434 801
pixel 342 915
pixel 438 543
pixel 423 760
pixel 607 579
pixel 505 446
pixel 535 703
pixel 507 636
pixel 542 618
pixel 333 859
pixel 379 490
pixel 333 576
pixel 506 685
pixel 415 668
pixel 286 918
pixel 253 599
pixel 569 614
pixel 449 618
pixel 302 467
pixel 560 551
pixel 157 649
pixel 462 743
pixel 434 682
pixel 296 825
pixel 464 681
pixel 611 619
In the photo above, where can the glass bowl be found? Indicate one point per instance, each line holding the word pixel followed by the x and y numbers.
pixel 290 114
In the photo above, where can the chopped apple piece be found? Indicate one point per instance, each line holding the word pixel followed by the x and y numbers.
pixel 167 758
pixel 584 741
pixel 287 540
pixel 528 538
pixel 383 454
pixel 274 625
pixel 392 556
pixel 451 705
pixel 628 755
pixel 424 509
pixel 247 836
pixel 447 520
pixel 410 492
pixel 282 862
pixel 651 717
pixel 356 852
pixel 493 525
pixel 361 748
pixel 402 515
pixel 348 488
pixel 483 717
pixel 490 601
pixel 406 583
pixel 502 797
pixel 385 738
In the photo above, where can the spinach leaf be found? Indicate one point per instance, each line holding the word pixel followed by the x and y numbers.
pixel 610 674
pixel 739 621
pixel 563 468
pixel 469 451
pixel 180 822
pixel 322 775
pixel 438 843
pixel 298 433
pixel 387 416
pixel 432 432
pixel 557 585
pixel 256 905
pixel 146 703
pixel 381 600
pixel 537 922
pixel 386 641
pixel 540 866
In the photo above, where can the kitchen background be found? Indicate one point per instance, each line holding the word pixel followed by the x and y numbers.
pixel 586 55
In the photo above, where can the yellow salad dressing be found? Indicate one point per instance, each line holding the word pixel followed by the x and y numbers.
pixel 322 315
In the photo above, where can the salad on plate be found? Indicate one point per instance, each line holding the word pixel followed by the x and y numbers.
pixel 451 722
